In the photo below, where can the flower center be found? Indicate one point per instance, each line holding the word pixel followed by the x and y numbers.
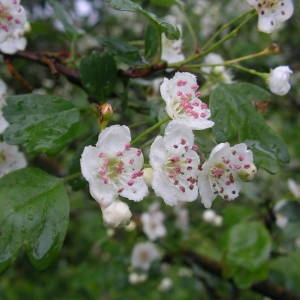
pixel 7 20
pixel 110 169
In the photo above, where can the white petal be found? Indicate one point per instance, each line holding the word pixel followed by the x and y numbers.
pixel 205 191
pixel 137 191
pixel 89 162
pixel 284 11
pixel 104 194
pixel 196 124
pixel 3 123
pixel 158 154
pixel 267 22
pixel 113 139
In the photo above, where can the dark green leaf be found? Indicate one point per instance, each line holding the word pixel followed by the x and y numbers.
pixel 69 26
pixel 34 216
pixel 285 271
pixel 247 252
pixel 236 120
pixel 128 5
pixel 152 42
pixel 42 123
pixel 99 74
pixel 163 2
pixel 123 51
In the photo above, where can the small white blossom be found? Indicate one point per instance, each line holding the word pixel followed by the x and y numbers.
pixel 294 188
pixel 116 214
pixel 135 278
pixel 272 13
pixel 175 165
pixel 172 49
pixel 11 159
pixel 183 103
pixel 278 80
pixel 223 172
pixel 113 167
pixel 211 217
pixel 165 284
pixel 153 225
pixel 143 255
pixel 12 26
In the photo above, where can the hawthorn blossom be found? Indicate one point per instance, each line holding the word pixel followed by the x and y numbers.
pixel 11 159
pixel 172 49
pixel 116 214
pixel 224 171
pixel 175 164
pixel 211 217
pixel 153 225
pixel 3 123
pixel 12 26
pixel 143 255
pixel 272 13
pixel 278 80
pixel 183 103
pixel 113 167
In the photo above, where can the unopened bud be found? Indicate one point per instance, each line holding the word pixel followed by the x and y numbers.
pixel 247 174
pixel 106 113
pixel 117 214
pixel 148 175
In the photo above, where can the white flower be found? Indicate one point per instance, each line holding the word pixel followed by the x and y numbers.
pixel 272 13
pixel 113 167
pixel 165 284
pixel 294 188
pixel 175 165
pixel 153 225
pixel 135 278
pixel 172 49
pixel 3 123
pixel 210 216
pixel 12 26
pixel 183 103
pixel 182 218
pixel 223 172
pixel 143 255
pixel 11 159
pixel 116 214
pixel 278 80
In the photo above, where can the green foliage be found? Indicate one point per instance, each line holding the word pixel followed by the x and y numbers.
pixel 128 5
pixel 247 252
pixel 98 73
pixel 236 121
pixel 152 42
pixel 34 216
pixel 71 30
pixel 123 51
pixel 42 123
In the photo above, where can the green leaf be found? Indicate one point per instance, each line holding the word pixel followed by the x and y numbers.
pixel 152 42
pixel 236 120
pixel 285 271
pixel 163 2
pixel 247 252
pixel 128 5
pixel 34 216
pixel 99 74
pixel 123 51
pixel 42 123
pixel 69 26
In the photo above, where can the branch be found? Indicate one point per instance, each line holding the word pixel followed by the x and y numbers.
pixel 266 288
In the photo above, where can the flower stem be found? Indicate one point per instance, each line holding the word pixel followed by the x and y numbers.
pixel 215 46
pixel 150 129
pixel 225 26
pixel 251 71
pixel 71 176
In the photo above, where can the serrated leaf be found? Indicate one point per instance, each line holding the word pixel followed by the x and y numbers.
pixel 171 31
pixel 123 51
pixel 34 216
pixel 248 249
pixel 99 74
pixel 236 120
pixel 42 123
pixel 61 14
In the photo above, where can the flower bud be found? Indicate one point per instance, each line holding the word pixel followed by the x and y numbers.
pixel 117 214
pixel 106 113
pixel 278 80
pixel 148 175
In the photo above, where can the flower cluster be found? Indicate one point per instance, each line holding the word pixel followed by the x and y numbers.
pixel 12 26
